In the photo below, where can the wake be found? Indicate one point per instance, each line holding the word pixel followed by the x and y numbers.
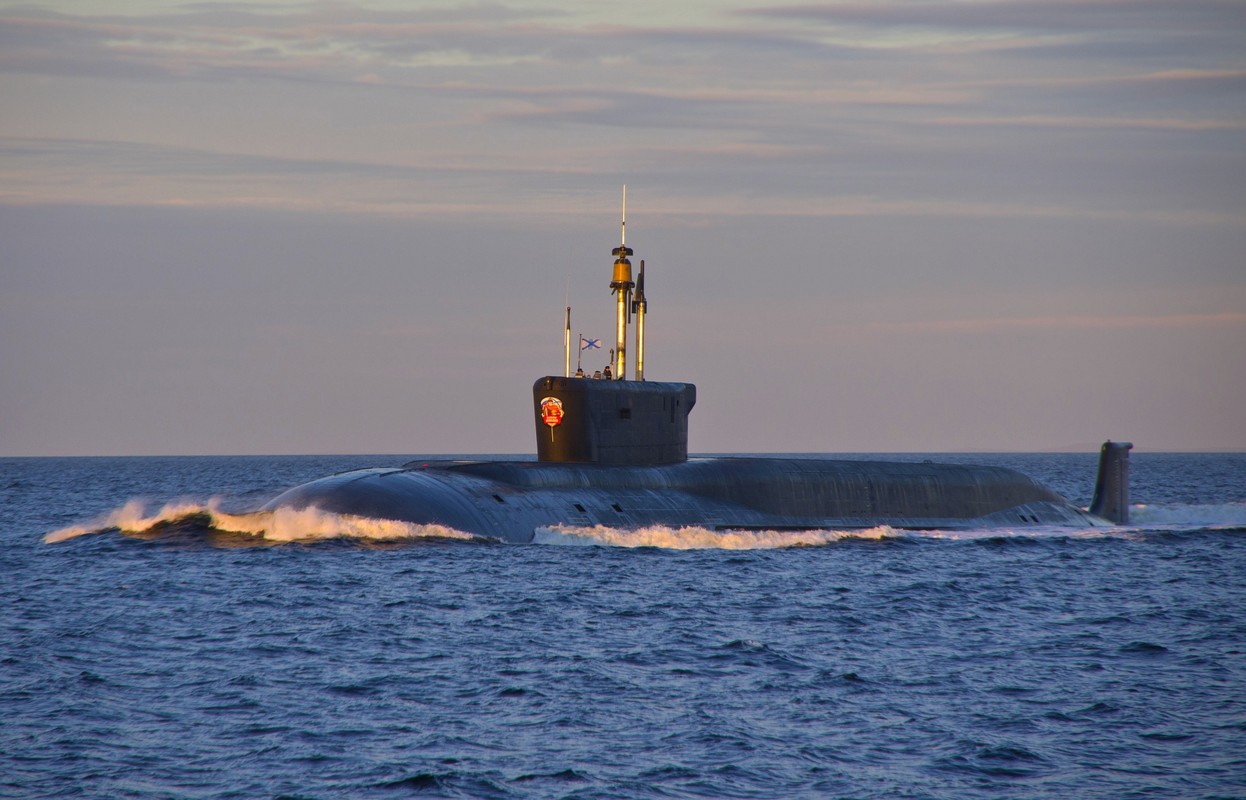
pixel 287 525
pixel 698 538
pixel 1185 517
pixel 1144 520
pixel 282 525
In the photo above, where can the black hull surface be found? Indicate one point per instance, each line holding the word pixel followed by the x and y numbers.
pixel 510 500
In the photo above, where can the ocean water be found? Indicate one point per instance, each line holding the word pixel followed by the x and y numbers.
pixel 147 652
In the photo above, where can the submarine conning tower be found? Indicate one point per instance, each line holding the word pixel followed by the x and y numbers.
pixel 614 421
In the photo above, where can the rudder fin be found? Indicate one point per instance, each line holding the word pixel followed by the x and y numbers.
pixel 1111 501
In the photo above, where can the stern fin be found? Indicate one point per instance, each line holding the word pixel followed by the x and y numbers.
pixel 1111 500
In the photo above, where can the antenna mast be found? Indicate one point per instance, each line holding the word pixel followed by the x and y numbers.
pixel 621 286
pixel 566 345
pixel 639 307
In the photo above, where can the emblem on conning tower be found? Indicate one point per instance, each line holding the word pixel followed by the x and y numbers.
pixel 551 411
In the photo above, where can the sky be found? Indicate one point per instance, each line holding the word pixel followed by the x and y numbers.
pixel 352 227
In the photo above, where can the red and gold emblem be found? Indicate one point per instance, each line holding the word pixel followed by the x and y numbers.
pixel 551 411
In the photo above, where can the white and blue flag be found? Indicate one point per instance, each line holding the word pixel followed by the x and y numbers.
pixel 589 344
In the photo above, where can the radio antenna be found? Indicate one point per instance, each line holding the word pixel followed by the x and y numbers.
pixel 621 286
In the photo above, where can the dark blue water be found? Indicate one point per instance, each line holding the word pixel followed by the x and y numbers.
pixel 184 662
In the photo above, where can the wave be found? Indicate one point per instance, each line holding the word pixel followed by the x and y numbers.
pixel 697 538
pixel 1144 519
pixel 286 525
pixel 278 526
pixel 1189 516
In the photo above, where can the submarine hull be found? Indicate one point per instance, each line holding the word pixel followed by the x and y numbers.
pixel 511 500
pixel 614 452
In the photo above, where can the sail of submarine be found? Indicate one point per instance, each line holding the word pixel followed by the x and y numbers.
pixel 614 452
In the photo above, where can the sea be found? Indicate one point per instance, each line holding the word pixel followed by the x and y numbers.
pixel 150 648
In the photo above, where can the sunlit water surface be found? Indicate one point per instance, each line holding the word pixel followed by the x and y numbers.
pixel 151 647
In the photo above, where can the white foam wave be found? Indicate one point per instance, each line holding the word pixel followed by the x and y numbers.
pixel 311 524
pixel 1183 516
pixel 276 526
pixel 1035 532
pixel 694 537
pixel 132 517
pixel 697 538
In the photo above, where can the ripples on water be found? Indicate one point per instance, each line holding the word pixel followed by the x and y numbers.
pixel 178 663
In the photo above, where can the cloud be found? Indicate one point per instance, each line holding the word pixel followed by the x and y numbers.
pixel 1024 15
pixel 1100 123
pixel 323 43
pixel 339 106
pixel 344 42
pixel 100 172
pixel 1221 321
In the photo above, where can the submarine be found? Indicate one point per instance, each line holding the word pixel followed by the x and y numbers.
pixel 613 451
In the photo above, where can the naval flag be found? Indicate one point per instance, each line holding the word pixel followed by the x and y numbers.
pixel 590 344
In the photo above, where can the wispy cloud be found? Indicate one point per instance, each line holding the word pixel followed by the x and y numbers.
pixel 1089 123
pixel 1221 321
pixel 345 101
pixel 955 173
pixel 101 172
pixel 1028 15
